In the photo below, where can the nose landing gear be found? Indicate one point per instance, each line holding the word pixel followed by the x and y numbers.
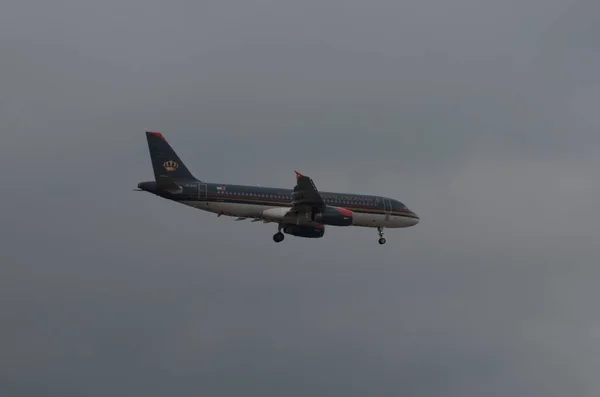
pixel 278 237
pixel 381 238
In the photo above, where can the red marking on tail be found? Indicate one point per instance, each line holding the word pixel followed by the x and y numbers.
pixel 345 212
pixel 298 175
pixel 158 134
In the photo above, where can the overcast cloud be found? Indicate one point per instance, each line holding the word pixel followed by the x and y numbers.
pixel 481 116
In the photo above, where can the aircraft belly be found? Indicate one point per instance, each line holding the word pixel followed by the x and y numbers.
pixel 368 220
pixel 400 222
pixel 376 220
pixel 239 210
pixel 255 210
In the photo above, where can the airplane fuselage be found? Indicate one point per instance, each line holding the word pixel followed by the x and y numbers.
pixel 243 201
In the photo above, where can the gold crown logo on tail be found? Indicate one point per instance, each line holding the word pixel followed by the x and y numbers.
pixel 170 165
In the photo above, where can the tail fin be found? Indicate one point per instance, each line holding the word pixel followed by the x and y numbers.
pixel 165 162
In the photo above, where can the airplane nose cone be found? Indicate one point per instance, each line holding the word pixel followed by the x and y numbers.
pixel 415 218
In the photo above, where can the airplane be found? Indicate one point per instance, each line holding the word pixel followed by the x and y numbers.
pixel 302 211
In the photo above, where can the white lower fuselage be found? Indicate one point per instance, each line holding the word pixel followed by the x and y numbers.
pixel 254 211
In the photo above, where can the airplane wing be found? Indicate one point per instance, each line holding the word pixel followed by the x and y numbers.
pixel 305 196
pixel 305 199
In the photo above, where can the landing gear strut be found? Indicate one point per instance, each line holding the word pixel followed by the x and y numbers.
pixel 278 237
pixel 381 238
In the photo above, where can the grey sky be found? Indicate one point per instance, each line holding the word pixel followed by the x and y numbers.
pixel 481 116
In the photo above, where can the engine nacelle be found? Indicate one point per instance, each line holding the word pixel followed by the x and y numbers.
pixel 334 216
pixel 304 231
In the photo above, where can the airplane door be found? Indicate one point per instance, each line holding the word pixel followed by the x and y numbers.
pixel 202 191
pixel 387 208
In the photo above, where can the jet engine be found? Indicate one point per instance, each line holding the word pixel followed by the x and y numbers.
pixel 304 231
pixel 334 216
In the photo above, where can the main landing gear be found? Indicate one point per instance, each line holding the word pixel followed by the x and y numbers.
pixel 381 238
pixel 278 237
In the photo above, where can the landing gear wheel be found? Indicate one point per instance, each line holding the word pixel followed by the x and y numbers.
pixel 278 237
pixel 380 232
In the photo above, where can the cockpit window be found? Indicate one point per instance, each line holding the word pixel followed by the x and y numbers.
pixel 400 205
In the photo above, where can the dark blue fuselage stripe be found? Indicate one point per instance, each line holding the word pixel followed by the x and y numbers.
pixel 282 203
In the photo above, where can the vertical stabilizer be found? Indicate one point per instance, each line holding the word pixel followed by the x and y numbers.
pixel 165 162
